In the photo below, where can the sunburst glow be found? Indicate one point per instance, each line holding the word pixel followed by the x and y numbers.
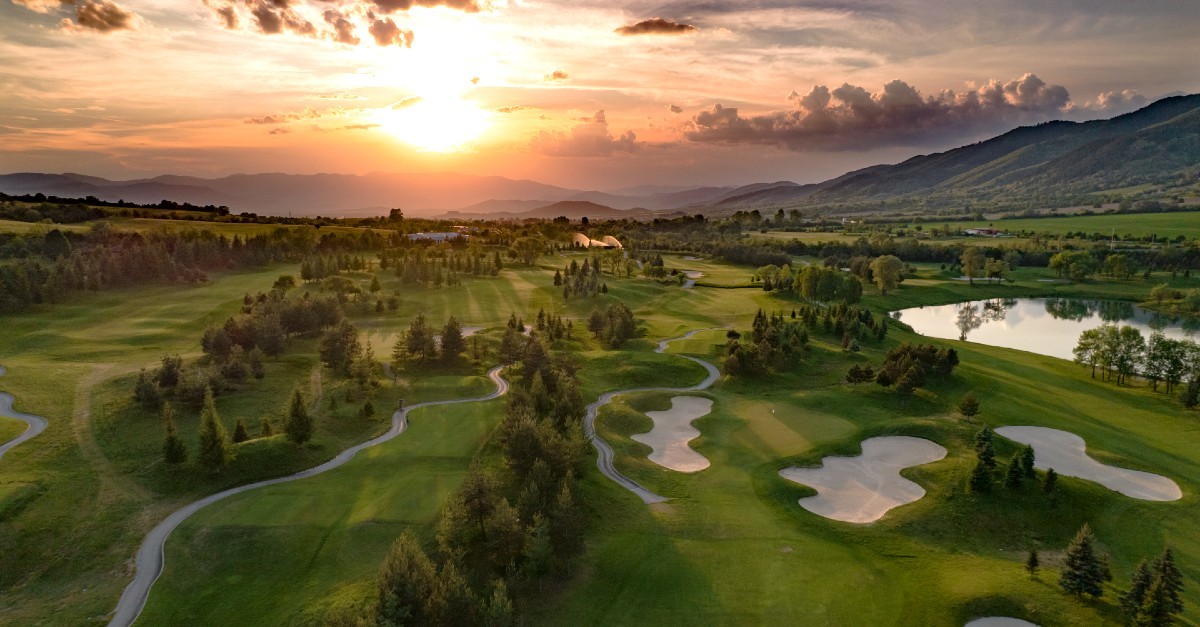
pixel 435 125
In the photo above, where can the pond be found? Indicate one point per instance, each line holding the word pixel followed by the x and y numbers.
pixel 1047 326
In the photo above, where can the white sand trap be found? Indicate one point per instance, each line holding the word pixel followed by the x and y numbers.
pixel 1066 453
pixel 999 621
pixel 691 275
pixel 673 430
pixel 862 489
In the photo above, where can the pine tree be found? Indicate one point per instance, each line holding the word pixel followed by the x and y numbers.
pixel 239 432
pixel 1132 599
pixel 264 428
pixel 1032 563
pixel 1051 482
pixel 1083 569
pixel 145 391
pixel 1165 569
pixel 174 450
pixel 1156 608
pixel 981 478
pixel 1016 474
pixel 453 344
pixel 299 425
pixel 1027 462
pixel 985 448
pixel 499 609
pixel 214 440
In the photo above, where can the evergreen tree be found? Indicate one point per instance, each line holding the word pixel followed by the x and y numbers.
pixel 1132 599
pixel 1027 462
pixel 174 450
pixel 405 585
pixel 499 609
pixel 1083 569
pixel 1032 563
pixel 1016 474
pixel 264 428
pixel 214 440
pixel 1156 607
pixel 299 425
pixel 985 448
pixel 239 432
pixel 969 405
pixel 981 478
pixel 1165 569
pixel 1051 483
pixel 453 343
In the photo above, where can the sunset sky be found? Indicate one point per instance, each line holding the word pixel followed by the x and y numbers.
pixel 586 94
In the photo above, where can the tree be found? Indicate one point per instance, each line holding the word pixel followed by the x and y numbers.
pixel 453 343
pixel 969 405
pixel 174 450
pixel 1166 570
pixel 214 440
pixel 264 428
pixel 498 611
pixel 406 582
pixel 419 343
pixel 1050 484
pixel 888 272
pixel 527 249
pixel 1139 584
pixel 1027 462
pixel 1032 563
pixel 1190 396
pixel 478 497
pixel 1117 266
pixel 239 432
pixel 171 371
pixel 1015 475
pixel 1083 569
pixel 299 425
pixel 972 263
pixel 981 478
pixel 338 347
pixel 146 392
pixel 985 447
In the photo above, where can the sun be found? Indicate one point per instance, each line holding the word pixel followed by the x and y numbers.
pixel 446 124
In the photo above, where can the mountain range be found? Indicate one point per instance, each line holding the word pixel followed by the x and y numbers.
pixel 1159 143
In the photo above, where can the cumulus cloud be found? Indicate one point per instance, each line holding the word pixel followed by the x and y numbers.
pixel 343 28
pixel 335 20
pixel 386 33
pixel 556 76
pixel 675 109
pixel 655 26
pixel 591 138
pixel 1117 102
pixel 851 118
pixel 104 16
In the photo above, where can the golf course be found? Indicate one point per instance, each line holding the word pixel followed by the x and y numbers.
pixel 710 496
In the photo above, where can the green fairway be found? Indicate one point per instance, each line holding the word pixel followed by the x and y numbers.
pixel 732 546
pixel 10 428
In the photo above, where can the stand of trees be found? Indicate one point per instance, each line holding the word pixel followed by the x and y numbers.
pixel 612 324
pixel 1122 352
pixel 506 532
pixel 774 344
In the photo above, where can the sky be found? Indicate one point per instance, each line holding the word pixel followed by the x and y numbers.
pixel 584 94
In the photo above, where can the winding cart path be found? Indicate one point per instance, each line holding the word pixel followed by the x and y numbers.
pixel 37 424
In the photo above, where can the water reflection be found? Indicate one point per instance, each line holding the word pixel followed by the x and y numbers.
pixel 1048 326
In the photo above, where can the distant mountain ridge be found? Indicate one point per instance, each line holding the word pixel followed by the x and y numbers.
pixel 1160 142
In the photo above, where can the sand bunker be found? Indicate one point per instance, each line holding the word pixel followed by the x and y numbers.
pixel 862 489
pixel 1065 453
pixel 691 275
pixel 673 430
pixel 999 621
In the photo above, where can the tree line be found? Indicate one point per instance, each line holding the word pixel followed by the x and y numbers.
pixel 1121 352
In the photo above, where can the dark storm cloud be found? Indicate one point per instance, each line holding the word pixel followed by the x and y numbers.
pixel 851 118
pixel 656 26
pixel 590 138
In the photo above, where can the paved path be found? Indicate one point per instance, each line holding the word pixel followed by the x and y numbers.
pixel 605 460
pixel 150 556
pixel 37 424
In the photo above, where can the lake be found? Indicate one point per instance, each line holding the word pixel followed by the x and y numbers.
pixel 1047 326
